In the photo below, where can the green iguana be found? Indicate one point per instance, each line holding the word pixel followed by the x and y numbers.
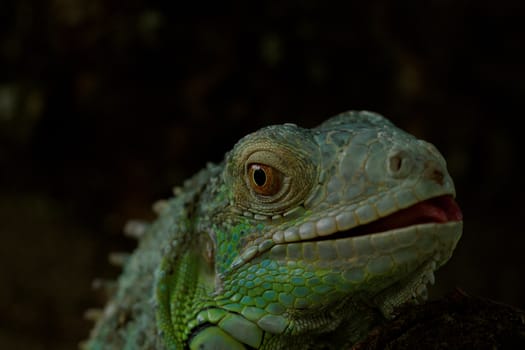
pixel 299 239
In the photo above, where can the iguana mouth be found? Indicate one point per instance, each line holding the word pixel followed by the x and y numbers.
pixel 440 209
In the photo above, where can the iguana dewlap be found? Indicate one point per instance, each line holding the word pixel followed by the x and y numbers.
pixel 299 239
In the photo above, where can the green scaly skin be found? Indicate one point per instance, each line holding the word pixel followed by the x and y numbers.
pixel 293 256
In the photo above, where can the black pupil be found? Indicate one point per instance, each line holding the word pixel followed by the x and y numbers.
pixel 259 177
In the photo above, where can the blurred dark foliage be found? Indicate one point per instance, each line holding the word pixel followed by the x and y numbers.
pixel 105 105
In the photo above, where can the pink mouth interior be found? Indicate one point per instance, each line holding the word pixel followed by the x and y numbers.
pixel 439 210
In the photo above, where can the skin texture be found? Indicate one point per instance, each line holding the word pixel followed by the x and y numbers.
pixel 299 239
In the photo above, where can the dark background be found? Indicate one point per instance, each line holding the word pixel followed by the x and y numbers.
pixel 105 105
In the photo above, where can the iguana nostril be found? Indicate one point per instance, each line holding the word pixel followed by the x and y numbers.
pixel 399 164
pixel 395 163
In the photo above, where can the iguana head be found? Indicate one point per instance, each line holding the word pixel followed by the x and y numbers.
pixel 354 206
pixel 301 233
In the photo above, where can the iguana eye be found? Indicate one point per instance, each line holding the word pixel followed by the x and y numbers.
pixel 264 179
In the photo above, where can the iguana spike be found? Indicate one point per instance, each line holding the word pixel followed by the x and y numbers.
pixel 159 206
pixel 135 228
pixel 108 286
pixel 177 190
pixel 118 259
pixel 93 314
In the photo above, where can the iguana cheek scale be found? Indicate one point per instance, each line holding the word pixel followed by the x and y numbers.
pixel 300 238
